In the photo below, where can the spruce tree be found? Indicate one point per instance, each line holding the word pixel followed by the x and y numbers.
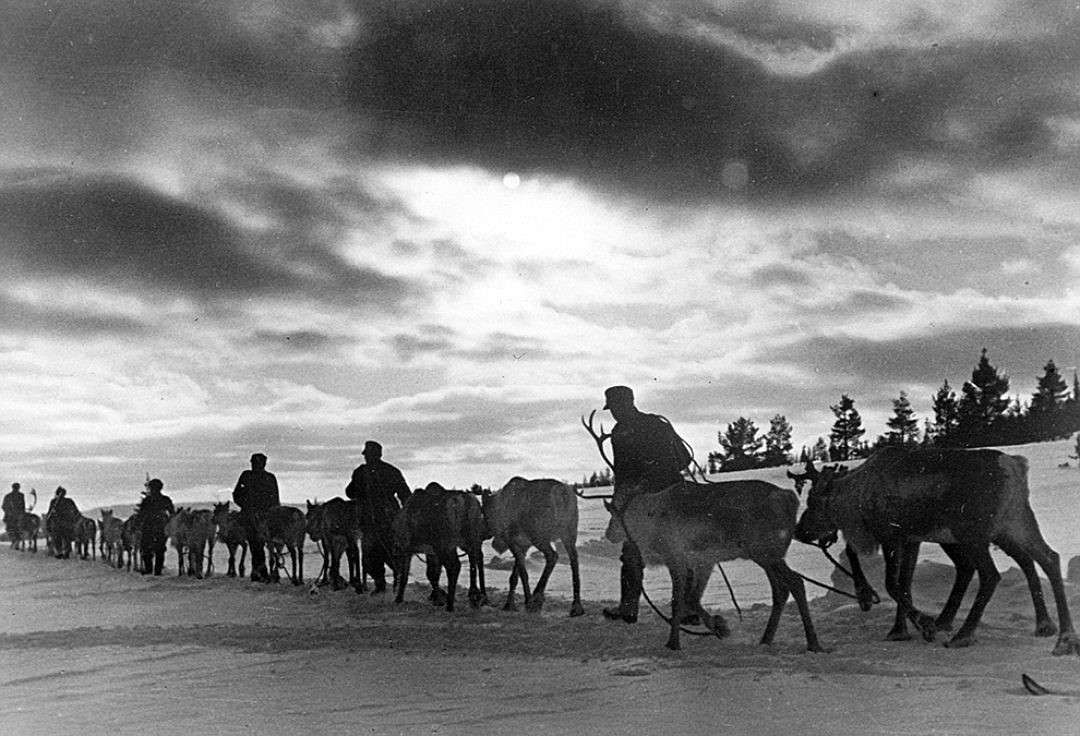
pixel 846 431
pixel 946 416
pixel 1047 413
pixel 982 403
pixel 778 442
pixel 740 445
pixel 903 426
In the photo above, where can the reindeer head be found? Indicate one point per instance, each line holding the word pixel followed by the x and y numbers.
pixel 817 524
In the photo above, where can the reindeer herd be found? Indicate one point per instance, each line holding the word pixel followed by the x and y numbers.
pixel 964 500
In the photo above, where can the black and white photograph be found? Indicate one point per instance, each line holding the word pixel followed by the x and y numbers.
pixel 539 366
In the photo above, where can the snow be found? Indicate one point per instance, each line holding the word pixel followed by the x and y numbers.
pixel 91 650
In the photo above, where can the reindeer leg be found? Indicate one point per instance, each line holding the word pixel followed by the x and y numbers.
pixel 401 577
pixel 795 585
pixel 452 564
pixel 511 603
pixel 678 595
pixel 964 572
pixel 576 609
pixel 892 555
pixel 1044 626
pixel 909 556
pixel 864 592
pixel 551 557
pixel 988 579
pixel 521 572
pixel 1048 560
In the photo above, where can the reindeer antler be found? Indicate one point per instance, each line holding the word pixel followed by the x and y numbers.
pixel 598 437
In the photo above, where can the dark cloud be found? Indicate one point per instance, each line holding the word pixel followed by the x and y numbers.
pixel 779 275
pixel 22 318
pixel 121 232
pixel 582 88
pixel 1020 352
pixel 301 341
pixel 430 341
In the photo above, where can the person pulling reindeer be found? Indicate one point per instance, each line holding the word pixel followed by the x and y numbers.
pixel 153 513
pixel 256 492
pixel 647 454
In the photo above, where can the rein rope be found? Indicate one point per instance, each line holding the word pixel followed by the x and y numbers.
pixel 653 606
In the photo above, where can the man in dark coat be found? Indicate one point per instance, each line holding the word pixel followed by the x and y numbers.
pixel 154 511
pixel 256 492
pixel 375 487
pixel 648 455
pixel 14 507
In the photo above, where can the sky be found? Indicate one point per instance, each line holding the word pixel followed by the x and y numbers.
pixel 293 227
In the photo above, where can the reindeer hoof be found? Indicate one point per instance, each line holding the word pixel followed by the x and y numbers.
pixel 536 603
pixel 673 645
pixel 960 641
pixel 577 609
pixel 898 635
pixel 1045 628
pixel 1067 644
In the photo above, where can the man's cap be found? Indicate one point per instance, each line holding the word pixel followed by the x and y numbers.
pixel 258 457
pixel 155 483
pixel 617 395
pixel 372 447
pixel 15 486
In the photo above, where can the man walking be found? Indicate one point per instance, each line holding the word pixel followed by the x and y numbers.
pixel 647 455
pixel 154 511
pixel 256 492
pixel 375 487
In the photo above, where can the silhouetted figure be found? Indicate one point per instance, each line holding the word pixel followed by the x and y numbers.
pixel 375 487
pixel 14 507
pixel 256 492
pixel 153 511
pixel 649 455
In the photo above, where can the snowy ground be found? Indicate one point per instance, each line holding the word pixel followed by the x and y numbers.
pixel 91 650
pixel 87 649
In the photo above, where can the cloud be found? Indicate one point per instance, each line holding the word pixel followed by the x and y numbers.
pixel 119 232
pixel 891 365
pixel 607 94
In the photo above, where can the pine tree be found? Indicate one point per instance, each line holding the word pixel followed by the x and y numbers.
pixel 1047 414
pixel 778 442
pixel 740 445
pixel 903 426
pixel 846 431
pixel 981 405
pixel 946 416
pixel 820 450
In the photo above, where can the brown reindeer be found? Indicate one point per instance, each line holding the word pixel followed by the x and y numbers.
pixel 130 548
pixel 231 533
pixel 694 527
pixel 965 570
pixel 111 529
pixel 335 527
pixel 200 542
pixel 86 538
pixel 284 527
pixel 969 498
pixel 440 521
pixel 178 532
pixel 527 513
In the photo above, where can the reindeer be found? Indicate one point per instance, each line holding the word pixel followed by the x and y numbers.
pixel 971 498
pixel 439 520
pixel 231 532
pixel 284 527
pixel 334 526
pixel 178 531
pixel 528 513
pixel 86 538
pixel 130 543
pixel 111 530
pixel 201 530
pixel 693 527
pixel 964 569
